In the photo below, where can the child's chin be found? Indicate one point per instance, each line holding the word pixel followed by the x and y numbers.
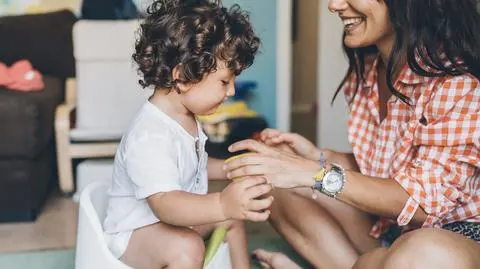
pixel 209 112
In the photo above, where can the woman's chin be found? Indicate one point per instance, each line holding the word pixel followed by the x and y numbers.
pixel 355 42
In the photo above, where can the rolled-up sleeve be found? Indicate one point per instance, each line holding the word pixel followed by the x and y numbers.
pixel 442 176
pixel 151 165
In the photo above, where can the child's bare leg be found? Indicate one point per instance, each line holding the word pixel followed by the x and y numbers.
pixel 236 239
pixel 147 248
pixel 237 242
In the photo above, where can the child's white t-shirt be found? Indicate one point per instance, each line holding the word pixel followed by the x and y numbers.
pixel 155 155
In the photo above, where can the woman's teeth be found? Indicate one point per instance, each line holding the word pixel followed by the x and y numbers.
pixel 349 23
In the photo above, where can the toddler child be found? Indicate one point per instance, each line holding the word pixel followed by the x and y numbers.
pixel 159 211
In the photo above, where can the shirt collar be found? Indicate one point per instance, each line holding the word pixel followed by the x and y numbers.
pixel 406 76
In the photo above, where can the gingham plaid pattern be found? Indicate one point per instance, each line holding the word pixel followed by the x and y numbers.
pixel 431 148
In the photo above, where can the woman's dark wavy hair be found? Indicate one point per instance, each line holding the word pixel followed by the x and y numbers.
pixel 193 35
pixel 435 37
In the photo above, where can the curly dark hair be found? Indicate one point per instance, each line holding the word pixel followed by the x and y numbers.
pixel 192 35
pixel 444 34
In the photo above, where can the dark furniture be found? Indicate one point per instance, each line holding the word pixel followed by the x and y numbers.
pixel 27 143
pixel 27 150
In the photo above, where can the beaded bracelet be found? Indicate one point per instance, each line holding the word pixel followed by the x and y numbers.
pixel 323 164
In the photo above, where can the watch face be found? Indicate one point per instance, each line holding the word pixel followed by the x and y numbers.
pixel 333 182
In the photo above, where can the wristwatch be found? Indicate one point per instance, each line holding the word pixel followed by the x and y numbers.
pixel 330 182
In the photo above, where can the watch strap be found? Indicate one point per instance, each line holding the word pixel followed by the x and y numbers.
pixel 318 177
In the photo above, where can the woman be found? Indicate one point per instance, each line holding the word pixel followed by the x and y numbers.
pixel 414 126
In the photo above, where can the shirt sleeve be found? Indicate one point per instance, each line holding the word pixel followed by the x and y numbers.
pixel 442 177
pixel 151 164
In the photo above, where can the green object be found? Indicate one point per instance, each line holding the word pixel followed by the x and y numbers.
pixel 214 243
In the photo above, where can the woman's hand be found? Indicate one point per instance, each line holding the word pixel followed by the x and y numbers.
pixel 290 142
pixel 280 168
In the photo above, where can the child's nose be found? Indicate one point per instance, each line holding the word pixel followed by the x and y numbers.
pixel 231 89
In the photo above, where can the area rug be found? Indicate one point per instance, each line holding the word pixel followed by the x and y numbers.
pixel 65 259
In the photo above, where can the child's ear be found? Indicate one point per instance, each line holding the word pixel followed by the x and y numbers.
pixel 179 87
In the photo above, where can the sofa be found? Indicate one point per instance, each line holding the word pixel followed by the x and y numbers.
pixel 28 170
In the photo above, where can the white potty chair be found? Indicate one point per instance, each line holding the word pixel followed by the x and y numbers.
pixel 92 170
pixel 92 251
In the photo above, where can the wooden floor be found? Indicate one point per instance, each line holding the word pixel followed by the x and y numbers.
pixel 55 228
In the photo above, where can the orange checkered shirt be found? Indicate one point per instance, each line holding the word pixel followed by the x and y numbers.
pixel 431 147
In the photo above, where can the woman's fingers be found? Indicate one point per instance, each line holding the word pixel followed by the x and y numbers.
pixel 252 165
pixel 235 163
pixel 257 216
pixel 260 205
pixel 250 182
pixel 269 133
pixel 287 138
pixel 249 145
pixel 269 142
pixel 249 170
pixel 258 191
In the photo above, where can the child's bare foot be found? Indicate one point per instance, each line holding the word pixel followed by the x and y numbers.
pixel 274 260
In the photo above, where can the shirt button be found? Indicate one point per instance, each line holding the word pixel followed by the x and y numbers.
pixel 423 120
pixel 417 162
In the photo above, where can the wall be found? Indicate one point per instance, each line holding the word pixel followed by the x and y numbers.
pixel 32 6
pixel 305 54
pixel 59 4
pixel 263 17
pixel 332 130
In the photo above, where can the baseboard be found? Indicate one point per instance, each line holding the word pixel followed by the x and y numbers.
pixel 21 216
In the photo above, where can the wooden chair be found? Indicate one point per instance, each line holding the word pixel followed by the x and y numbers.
pixel 102 100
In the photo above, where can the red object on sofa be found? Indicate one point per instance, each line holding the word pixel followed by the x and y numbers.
pixel 21 77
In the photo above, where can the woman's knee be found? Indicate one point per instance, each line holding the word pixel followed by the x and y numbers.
pixel 286 204
pixel 374 259
pixel 277 211
pixel 430 248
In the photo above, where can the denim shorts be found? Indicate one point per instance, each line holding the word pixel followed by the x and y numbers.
pixel 470 230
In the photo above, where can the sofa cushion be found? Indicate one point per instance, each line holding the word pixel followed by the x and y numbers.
pixel 26 119
pixel 24 184
pixel 44 39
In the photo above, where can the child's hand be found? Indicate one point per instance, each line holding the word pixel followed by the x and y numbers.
pixel 290 142
pixel 238 199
